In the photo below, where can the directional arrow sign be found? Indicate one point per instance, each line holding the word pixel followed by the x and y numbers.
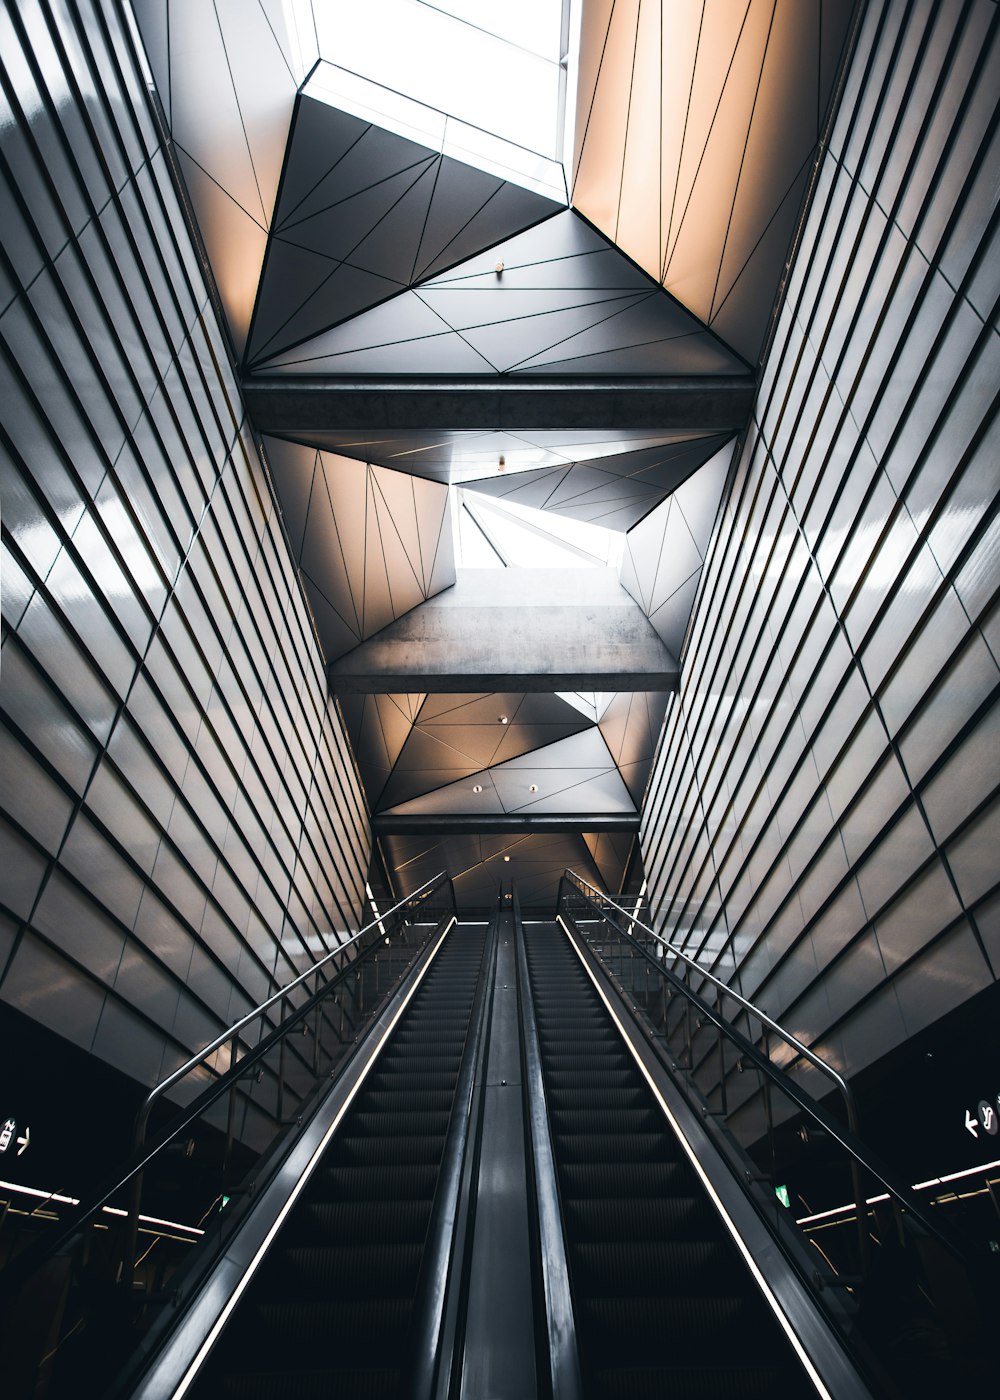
pixel 972 1123
pixel 22 1142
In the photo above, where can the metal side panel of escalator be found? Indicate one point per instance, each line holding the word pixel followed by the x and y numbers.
pixel 664 1302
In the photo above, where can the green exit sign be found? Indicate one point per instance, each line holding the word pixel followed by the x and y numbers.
pixel 782 1194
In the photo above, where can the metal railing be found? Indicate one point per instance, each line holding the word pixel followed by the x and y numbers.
pixel 838 1080
pixel 215 1152
pixel 373 931
pixel 751 1095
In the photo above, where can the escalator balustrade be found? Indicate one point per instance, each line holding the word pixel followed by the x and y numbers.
pixel 331 1311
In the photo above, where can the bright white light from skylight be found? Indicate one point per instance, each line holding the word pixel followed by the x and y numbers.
pixel 508 84
pixel 492 533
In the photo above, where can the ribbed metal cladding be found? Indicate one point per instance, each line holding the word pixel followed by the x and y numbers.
pixel 823 816
pixel 182 825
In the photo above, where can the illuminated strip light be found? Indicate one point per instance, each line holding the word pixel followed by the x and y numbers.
pixel 58 1199
pixel 751 1263
pixel 220 1322
pixel 917 1186
pixel 840 1210
pixel 378 916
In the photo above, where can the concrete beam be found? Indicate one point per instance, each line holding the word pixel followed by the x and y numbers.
pixel 514 630
pixel 286 404
pixel 459 824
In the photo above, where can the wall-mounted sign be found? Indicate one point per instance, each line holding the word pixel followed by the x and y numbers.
pixel 783 1196
pixel 7 1136
pixel 985 1118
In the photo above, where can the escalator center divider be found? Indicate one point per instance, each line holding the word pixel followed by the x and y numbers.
pixel 664 1301
pixel 336 1305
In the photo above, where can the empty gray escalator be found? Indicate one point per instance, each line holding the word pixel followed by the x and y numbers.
pixel 664 1304
pixel 334 1308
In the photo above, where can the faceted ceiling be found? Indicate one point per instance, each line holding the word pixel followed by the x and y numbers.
pixel 357 233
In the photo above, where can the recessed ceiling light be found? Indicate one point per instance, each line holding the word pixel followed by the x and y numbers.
pixel 504 719
pixel 533 787
pixel 507 858
pixel 477 787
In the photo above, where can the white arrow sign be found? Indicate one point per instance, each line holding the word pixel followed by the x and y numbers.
pixel 972 1123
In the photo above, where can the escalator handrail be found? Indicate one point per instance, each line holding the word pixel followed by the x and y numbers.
pixel 847 1137
pixel 228 1035
pixel 431 1363
pixel 850 1102
pixel 560 1318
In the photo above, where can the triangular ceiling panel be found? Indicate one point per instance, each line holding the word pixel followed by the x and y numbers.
pixel 228 91
pixel 613 491
pixel 574 774
pixel 664 554
pixel 373 204
pixel 360 536
pixel 630 726
pixel 563 295
pixel 610 851
pixel 459 735
pixel 378 726
pixel 696 125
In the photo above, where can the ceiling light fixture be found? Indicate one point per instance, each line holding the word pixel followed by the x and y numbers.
pixel 477 787
pixel 507 858
pixel 504 719
pixel 533 787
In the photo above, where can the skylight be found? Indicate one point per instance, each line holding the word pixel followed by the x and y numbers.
pixel 488 89
pixel 500 534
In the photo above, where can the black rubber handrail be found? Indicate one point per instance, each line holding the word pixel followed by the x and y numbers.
pixel 560 1318
pixel 431 1364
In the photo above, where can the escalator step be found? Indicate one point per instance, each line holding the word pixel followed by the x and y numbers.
pixel 411 1080
pixel 396 1125
pixel 623 1096
pixel 602 1147
pixel 286 1384
pixel 414 1101
pixel 585 1064
pixel 623 1122
pixel 386 1151
pixel 698 1383
pixel 398 1063
pixel 313 1331
pixel 363 1222
pixel 598 1079
pixel 653 1218
pixel 344 1271
pixel 687 1329
pixel 637 1267
pixel 624 1178
pixel 397 1183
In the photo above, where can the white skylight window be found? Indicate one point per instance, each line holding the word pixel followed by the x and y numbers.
pixel 499 534
pixel 438 75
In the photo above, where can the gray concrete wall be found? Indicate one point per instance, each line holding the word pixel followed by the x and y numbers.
pixel 515 629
